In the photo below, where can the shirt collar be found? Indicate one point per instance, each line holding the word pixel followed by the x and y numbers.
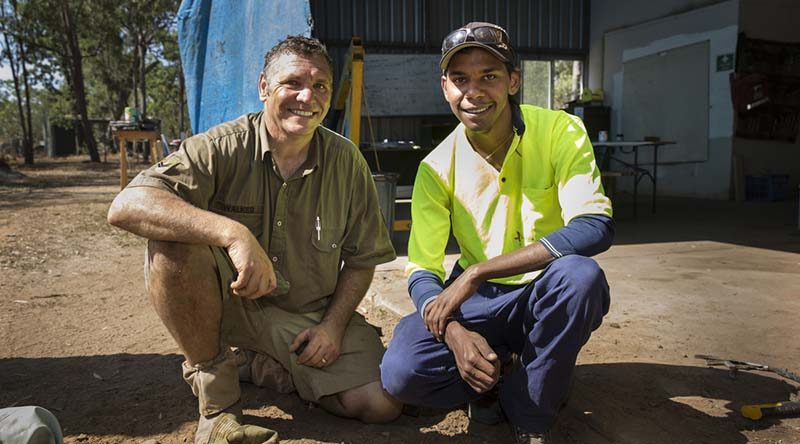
pixel 516 116
pixel 314 148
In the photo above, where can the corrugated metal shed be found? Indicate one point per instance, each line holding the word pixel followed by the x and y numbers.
pixel 537 27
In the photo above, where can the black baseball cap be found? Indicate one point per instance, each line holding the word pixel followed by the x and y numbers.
pixel 484 35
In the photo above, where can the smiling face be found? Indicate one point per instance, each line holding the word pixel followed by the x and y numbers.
pixel 296 91
pixel 477 85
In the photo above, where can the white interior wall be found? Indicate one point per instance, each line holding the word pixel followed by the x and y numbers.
pixel 609 15
pixel 718 25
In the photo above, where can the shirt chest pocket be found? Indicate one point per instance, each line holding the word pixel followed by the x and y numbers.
pixel 541 212
pixel 327 240
pixel 325 259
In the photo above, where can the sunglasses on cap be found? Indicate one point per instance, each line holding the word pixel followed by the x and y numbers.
pixel 486 34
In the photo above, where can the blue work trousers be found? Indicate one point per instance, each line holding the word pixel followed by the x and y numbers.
pixel 545 322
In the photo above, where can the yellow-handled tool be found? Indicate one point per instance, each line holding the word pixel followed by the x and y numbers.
pixel 758 411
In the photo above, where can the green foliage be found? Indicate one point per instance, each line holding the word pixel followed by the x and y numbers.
pixel 165 99
pixel 536 83
pixel 564 91
pixel 44 103
pixel 8 113
pixel 125 45
pixel 164 92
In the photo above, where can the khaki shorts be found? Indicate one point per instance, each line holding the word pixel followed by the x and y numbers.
pixel 260 326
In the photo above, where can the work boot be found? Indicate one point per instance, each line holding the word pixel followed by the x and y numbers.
pixel 525 437
pixel 225 428
pixel 486 409
pixel 264 371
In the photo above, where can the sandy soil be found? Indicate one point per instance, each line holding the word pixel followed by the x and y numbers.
pixel 78 337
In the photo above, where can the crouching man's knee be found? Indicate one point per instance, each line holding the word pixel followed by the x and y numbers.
pixel 177 264
pixel 588 285
pixel 368 403
pixel 398 376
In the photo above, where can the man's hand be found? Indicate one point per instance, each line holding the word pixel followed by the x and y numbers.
pixel 438 312
pixel 323 345
pixel 477 363
pixel 255 275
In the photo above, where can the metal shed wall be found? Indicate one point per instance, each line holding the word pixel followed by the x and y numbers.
pixel 539 29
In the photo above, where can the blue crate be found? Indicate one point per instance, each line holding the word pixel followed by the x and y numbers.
pixel 768 188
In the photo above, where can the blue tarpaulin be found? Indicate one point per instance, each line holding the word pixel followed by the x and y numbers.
pixel 222 45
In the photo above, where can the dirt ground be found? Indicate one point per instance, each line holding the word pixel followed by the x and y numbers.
pixel 78 337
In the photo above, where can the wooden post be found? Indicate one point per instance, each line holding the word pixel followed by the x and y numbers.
pixel 356 90
pixel 124 136
pixel 348 94
pixel 123 162
pixel 154 151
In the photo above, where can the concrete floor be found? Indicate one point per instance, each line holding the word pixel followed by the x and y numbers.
pixel 699 277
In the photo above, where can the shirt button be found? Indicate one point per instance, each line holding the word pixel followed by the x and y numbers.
pixel 333 245
pixel 274 258
pixel 279 223
pixel 502 179
pixel 284 185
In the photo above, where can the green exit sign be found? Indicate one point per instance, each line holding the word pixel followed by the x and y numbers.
pixel 725 62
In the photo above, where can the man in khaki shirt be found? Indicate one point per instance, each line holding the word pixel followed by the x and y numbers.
pixel 264 233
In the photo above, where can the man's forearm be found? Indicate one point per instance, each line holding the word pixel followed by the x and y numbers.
pixel 351 287
pixel 160 215
pixel 533 257
pixel 585 235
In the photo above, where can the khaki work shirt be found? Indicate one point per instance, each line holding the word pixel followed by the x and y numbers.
pixel 325 215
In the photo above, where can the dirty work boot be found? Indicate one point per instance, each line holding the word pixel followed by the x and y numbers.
pixel 263 371
pixel 225 428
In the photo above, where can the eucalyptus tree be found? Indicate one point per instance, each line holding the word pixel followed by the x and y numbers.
pixel 15 54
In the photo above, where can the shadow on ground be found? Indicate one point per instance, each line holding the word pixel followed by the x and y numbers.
pixel 54 181
pixel 146 392
pixel 665 404
pixel 615 402
pixel 770 225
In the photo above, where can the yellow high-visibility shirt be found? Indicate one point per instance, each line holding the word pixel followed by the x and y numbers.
pixel 549 176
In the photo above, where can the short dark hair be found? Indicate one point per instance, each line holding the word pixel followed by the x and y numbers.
pixel 297 45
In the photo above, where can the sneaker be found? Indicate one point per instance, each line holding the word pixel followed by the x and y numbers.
pixel 525 437
pixel 263 371
pixel 224 428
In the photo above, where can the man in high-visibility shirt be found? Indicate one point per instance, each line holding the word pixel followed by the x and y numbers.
pixel 520 189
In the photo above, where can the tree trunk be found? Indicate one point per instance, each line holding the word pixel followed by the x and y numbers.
pixel 142 50
pixel 135 73
pixel 14 64
pixel 78 86
pixel 27 141
pixel 577 79
pixel 119 104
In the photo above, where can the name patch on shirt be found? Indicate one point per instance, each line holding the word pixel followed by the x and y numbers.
pixel 221 206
